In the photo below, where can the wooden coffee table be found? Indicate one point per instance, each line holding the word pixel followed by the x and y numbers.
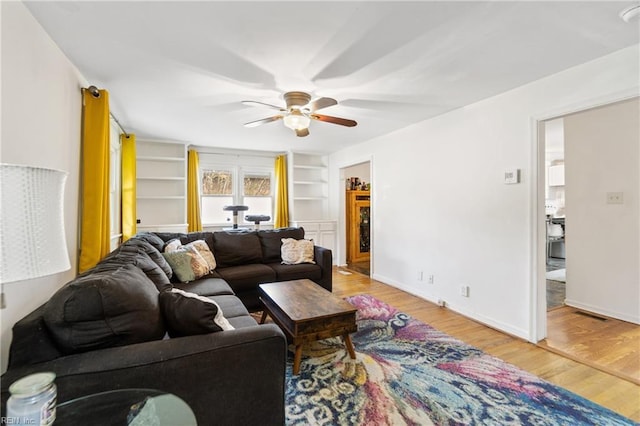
pixel 307 312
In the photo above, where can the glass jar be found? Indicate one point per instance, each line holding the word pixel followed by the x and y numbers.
pixel 33 400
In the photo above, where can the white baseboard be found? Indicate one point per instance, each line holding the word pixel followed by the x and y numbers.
pixel 488 321
pixel 602 311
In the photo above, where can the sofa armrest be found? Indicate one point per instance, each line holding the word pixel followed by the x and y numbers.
pixel 227 378
pixel 324 258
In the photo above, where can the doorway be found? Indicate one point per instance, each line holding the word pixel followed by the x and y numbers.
pixel 598 322
pixel 357 217
pixel 555 214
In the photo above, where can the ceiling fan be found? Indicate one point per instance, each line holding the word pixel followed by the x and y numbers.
pixel 299 112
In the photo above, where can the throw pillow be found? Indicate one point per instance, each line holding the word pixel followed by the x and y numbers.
pixel 203 250
pixel 294 251
pixel 186 314
pixel 172 246
pixel 187 264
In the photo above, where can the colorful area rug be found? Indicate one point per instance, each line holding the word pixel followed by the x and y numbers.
pixel 408 373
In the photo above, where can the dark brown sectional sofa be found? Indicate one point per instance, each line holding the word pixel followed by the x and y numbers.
pixel 106 329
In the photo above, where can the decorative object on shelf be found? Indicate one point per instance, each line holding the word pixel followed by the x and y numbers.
pixel 235 209
pixel 299 112
pixel 32 213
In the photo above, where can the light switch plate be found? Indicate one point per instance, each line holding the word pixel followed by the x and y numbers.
pixel 511 176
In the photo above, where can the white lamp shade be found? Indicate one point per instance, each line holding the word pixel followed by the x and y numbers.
pixel 32 236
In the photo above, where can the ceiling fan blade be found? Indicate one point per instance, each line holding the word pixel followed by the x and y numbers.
pixel 262 104
pixel 320 103
pixel 262 121
pixel 334 120
pixel 302 132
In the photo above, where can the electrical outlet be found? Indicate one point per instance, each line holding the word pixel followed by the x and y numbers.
pixel 430 279
pixel 420 275
pixel 442 303
pixel 615 198
pixel 464 291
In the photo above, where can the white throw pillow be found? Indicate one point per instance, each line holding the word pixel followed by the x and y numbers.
pixel 295 251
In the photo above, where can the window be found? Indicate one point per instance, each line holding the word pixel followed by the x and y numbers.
pixel 217 192
pixel 224 184
pixel 258 193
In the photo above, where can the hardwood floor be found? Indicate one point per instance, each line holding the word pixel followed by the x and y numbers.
pixel 598 386
pixel 601 342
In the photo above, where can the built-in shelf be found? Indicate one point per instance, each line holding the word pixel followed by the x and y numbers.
pixel 308 198
pixel 161 185
pixel 307 182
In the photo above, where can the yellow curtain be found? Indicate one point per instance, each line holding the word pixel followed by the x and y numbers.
pixel 281 219
pixel 95 211
pixel 193 194
pixel 128 150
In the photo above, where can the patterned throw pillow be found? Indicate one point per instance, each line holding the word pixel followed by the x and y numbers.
pixel 187 264
pixel 294 251
pixel 203 249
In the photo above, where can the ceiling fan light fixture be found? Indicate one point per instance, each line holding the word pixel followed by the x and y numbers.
pixel 296 120
pixel 630 13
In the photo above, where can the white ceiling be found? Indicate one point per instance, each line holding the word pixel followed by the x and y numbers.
pixel 179 70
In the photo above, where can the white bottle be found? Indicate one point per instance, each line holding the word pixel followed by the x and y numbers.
pixel 33 400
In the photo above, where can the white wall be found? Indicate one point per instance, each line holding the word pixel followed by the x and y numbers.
pixel 440 205
pixel 41 115
pixel 603 155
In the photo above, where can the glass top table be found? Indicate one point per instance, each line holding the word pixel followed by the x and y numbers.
pixel 127 407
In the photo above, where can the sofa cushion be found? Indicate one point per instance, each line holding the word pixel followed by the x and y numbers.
pixel 105 309
pixel 153 253
pixel 152 239
pixel 243 321
pixel 188 314
pixel 247 277
pixel 207 287
pixel 133 255
pixel 297 251
pixel 236 248
pixel 296 272
pixel 271 241
pixel 231 306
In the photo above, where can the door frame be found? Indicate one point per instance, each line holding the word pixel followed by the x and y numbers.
pixel 342 211
pixel 538 291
